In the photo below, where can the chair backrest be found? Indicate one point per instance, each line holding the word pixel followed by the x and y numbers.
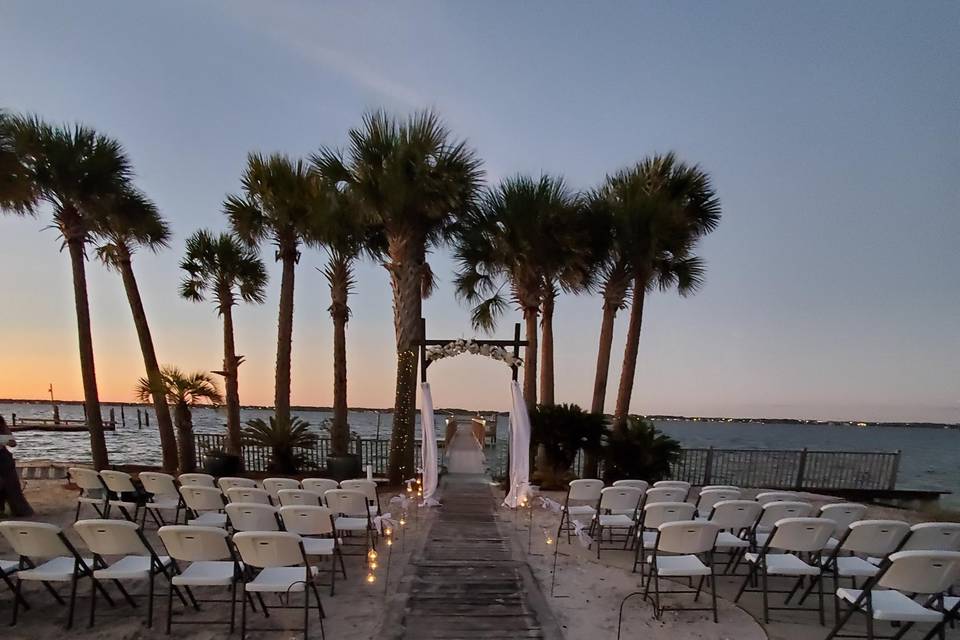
pixel 191 543
pixel 776 496
pixel 118 481
pixel 307 520
pixel 875 537
pixel 643 485
pixel 272 485
pixel 687 537
pixel 923 572
pixel 710 497
pixel 159 484
pixel 665 494
pixel 658 513
pixel 111 537
pixel 86 479
pixel 347 503
pixel 319 485
pixel 289 497
pixel 736 515
pixel 366 487
pixel 773 511
pixel 202 498
pixel 227 483
pixel 265 549
pixel 933 536
pixel 672 484
pixel 248 516
pixel 843 513
pixel 727 487
pixel 585 490
pixel 801 534
pixel 196 480
pixel 34 539
pixel 620 499
pixel 248 494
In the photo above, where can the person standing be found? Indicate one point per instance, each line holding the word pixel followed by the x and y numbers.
pixel 10 491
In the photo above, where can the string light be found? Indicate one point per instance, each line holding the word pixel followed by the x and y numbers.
pixel 372 555
pixel 371 578
pixel 373 566
pixel 388 532
pixel 389 542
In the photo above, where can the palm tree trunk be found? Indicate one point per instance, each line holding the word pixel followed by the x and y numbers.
pixel 285 334
pixel 91 399
pixel 630 352
pixel 168 439
pixel 546 348
pixel 339 278
pixel 530 357
pixel 187 447
pixel 406 277
pixel 231 367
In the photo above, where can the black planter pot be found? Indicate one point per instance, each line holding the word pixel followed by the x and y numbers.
pixel 345 467
pixel 222 465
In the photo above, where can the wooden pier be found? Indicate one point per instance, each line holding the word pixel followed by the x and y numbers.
pixel 62 426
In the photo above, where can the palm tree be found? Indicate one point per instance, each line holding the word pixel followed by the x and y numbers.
pixel 74 169
pixel 517 236
pixel 279 195
pixel 131 221
pixel 16 190
pixel 183 391
pixel 661 207
pixel 222 267
pixel 412 181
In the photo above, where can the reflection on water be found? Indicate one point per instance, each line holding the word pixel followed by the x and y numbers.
pixel 929 457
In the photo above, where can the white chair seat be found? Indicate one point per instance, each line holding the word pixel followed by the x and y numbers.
pixel 350 524
pixel 785 564
pixel 206 573
pixel 279 579
pixel 762 538
pixel 876 561
pixel 852 566
pixel 88 500
pixel 318 546
pixel 210 519
pixel 726 540
pixel 582 510
pixel 649 539
pixel 129 568
pixel 164 504
pixel 679 566
pixel 831 544
pixel 617 521
pixel 53 570
pixel 129 506
pixel 8 566
pixel 893 605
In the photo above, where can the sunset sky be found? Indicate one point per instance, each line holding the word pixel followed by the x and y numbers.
pixel 830 129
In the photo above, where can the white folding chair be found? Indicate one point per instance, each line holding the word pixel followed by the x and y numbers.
pixel 273 485
pixel 252 517
pixel 843 514
pixel 138 560
pixel 302 497
pixel 196 480
pixel 777 496
pixel 315 526
pixel 884 598
pixel 791 538
pixel 319 485
pixel 933 536
pixel 163 496
pixel 651 517
pixel 46 556
pixel 676 553
pixel 774 511
pixel 616 513
pixel 249 495
pixel 226 483
pixel 736 519
pixel 92 490
pixel 351 515
pixel 674 484
pixel 212 563
pixel 725 487
pixel 282 568
pixel 7 569
pixel 709 497
pixel 120 484
pixel 665 494
pixel 580 504
pixel 205 505
pixel 643 485
pixel 369 489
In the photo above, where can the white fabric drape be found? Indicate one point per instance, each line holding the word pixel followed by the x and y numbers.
pixel 519 448
pixel 428 451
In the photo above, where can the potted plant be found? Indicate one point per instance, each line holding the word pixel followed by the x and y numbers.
pixel 218 463
pixel 641 452
pixel 560 431
pixel 341 464
pixel 283 438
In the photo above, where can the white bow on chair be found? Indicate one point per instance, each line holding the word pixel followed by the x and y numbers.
pixel 580 530
pixel 385 519
pixel 551 505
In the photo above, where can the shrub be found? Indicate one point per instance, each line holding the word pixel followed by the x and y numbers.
pixel 640 452
pixel 283 438
pixel 563 430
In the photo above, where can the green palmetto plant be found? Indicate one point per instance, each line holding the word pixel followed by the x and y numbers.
pixel 183 391
pixel 563 430
pixel 412 181
pixel 639 451
pixel 283 438
pixel 128 222
pixel 523 237
pixel 221 267
pixel 279 198
pixel 75 170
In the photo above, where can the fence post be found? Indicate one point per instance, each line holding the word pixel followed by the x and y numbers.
pixel 360 452
pixel 896 470
pixel 708 467
pixel 13 419
pixel 801 467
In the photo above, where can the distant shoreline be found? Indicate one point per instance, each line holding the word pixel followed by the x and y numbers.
pixel 667 418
